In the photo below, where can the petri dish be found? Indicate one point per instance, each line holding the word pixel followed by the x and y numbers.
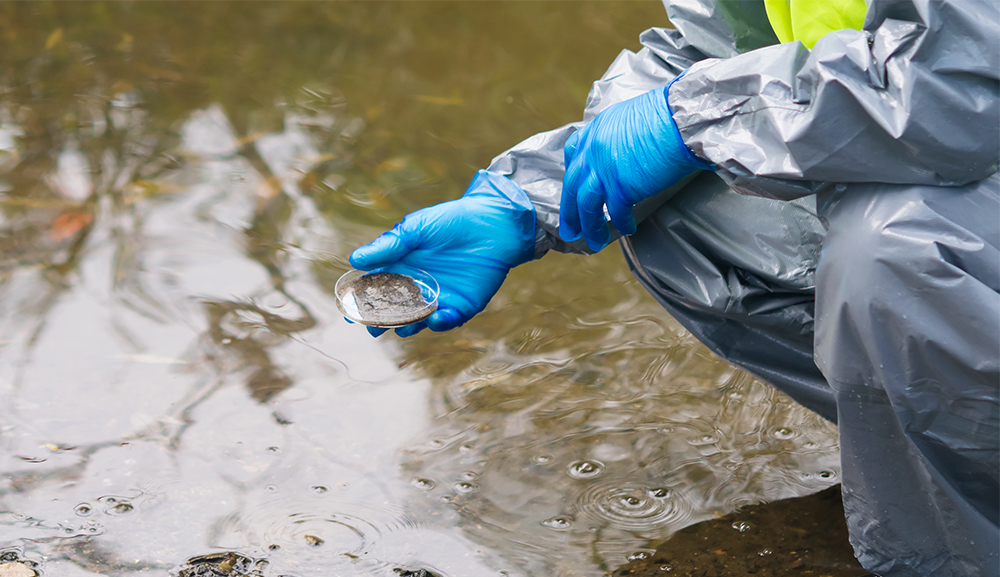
pixel 388 297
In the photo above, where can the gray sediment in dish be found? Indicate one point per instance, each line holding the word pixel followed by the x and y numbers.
pixel 389 299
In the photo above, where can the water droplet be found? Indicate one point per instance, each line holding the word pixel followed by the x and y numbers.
pixel 665 430
pixel 826 474
pixel 469 476
pixel 273 547
pixel 585 469
pixel 742 526
pixel 703 440
pixel 466 488
pixel 436 443
pixel 630 502
pixel 83 509
pixel 344 486
pixel 783 433
pixel 320 489
pixel 313 541
pixel 273 449
pixel 659 493
pixel 558 523
pixel 271 488
pixel 764 552
pixel 422 484
pixel 810 444
pixel 543 459
pixel 123 508
pixel 466 447
pixel 666 568
pixel 639 555
pixel 227 341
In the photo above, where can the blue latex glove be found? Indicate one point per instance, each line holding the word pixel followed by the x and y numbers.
pixel 468 245
pixel 628 152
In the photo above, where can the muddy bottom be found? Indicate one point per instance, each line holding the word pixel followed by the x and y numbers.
pixel 803 536
pixel 389 299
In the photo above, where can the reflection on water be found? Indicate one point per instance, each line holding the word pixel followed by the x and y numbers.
pixel 180 186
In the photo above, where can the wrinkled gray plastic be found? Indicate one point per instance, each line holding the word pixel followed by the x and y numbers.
pixel 879 309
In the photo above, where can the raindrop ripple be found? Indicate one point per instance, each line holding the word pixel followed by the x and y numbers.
pixel 630 506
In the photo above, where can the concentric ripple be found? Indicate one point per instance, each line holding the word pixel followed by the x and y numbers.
pixel 319 531
pixel 631 506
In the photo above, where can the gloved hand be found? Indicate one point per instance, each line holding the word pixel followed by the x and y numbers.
pixel 468 245
pixel 628 152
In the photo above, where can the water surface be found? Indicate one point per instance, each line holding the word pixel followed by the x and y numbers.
pixel 180 186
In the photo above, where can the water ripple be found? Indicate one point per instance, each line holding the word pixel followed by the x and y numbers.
pixel 320 532
pixel 631 506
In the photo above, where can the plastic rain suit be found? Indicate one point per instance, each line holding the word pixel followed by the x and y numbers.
pixel 857 268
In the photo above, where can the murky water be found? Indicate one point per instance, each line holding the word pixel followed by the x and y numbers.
pixel 180 186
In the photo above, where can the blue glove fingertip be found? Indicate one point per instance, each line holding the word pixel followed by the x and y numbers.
pixel 388 248
pixel 445 319
pixel 591 203
pixel 596 244
pixel 410 330
pixel 360 256
pixel 376 331
pixel 568 232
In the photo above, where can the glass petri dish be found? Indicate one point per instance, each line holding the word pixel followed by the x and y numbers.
pixel 388 297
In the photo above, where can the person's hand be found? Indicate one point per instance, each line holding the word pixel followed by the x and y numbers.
pixel 628 152
pixel 468 245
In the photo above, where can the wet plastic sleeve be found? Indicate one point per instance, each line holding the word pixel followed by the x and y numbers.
pixel 911 99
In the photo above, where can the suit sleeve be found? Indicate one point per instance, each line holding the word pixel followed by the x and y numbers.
pixel 911 99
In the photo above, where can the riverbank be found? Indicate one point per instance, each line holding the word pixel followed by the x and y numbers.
pixel 804 536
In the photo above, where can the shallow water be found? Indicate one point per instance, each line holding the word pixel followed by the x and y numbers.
pixel 180 186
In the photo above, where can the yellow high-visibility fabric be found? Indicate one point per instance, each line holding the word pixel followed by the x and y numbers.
pixel 809 20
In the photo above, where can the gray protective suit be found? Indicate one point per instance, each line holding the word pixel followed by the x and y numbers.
pixel 859 270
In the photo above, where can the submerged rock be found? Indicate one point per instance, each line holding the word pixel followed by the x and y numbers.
pixel 16 569
pixel 12 565
pixel 415 573
pixel 225 564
